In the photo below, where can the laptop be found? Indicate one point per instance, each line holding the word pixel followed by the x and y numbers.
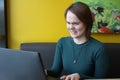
pixel 20 65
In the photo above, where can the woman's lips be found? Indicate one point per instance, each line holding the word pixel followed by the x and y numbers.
pixel 73 32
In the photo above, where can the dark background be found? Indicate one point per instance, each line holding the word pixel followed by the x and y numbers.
pixel 3 30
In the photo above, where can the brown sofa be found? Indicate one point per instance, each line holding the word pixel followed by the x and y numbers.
pixel 47 51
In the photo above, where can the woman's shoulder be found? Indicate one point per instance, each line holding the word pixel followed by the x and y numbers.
pixel 64 39
pixel 96 43
pixel 97 47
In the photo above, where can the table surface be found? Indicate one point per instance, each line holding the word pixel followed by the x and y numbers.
pixel 104 79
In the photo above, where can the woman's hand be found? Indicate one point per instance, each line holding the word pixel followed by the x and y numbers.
pixel 74 76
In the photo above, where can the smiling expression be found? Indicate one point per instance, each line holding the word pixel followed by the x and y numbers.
pixel 75 27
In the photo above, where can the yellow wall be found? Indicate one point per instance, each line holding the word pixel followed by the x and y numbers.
pixel 41 21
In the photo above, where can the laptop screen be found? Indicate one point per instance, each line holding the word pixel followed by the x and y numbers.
pixel 20 65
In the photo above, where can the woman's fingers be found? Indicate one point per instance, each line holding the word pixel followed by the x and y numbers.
pixel 63 77
pixel 68 77
pixel 74 76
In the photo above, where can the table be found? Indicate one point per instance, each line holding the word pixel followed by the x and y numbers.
pixel 104 79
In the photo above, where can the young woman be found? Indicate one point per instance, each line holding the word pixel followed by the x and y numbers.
pixel 79 55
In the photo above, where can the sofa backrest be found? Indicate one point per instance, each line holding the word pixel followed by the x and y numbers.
pixel 47 51
pixel 114 58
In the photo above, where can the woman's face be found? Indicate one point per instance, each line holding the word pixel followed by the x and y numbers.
pixel 75 26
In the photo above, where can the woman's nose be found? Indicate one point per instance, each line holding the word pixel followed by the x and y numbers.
pixel 71 26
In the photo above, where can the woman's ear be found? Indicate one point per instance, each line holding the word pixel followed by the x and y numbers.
pixel 93 16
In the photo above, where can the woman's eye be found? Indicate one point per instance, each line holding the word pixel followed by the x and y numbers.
pixel 75 23
pixel 68 23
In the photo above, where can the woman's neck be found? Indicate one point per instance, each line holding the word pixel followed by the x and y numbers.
pixel 80 40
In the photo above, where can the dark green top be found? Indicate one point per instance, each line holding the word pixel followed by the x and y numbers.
pixel 89 59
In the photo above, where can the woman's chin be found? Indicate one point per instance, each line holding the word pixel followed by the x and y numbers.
pixel 74 36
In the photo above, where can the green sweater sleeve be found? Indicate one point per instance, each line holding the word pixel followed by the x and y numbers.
pixel 101 63
pixel 57 67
